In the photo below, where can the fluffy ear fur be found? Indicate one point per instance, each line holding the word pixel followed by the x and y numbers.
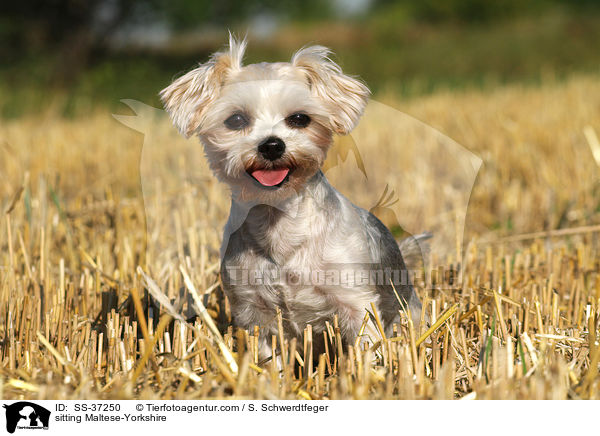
pixel 187 97
pixel 345 95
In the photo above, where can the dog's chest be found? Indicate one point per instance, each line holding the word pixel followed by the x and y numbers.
pixel 294 263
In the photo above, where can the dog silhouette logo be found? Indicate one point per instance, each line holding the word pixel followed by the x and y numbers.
pixel 26 415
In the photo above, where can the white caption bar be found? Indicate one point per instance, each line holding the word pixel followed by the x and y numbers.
pixel 289 417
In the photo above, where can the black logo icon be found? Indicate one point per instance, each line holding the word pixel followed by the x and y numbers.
pixel 26 415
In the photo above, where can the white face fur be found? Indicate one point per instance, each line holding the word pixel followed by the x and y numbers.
pixel 293 108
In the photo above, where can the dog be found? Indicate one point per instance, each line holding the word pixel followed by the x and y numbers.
pixel 292 242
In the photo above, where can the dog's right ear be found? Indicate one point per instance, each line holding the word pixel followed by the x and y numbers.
pixel 187 97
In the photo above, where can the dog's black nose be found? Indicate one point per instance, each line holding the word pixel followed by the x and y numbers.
pixel 272 148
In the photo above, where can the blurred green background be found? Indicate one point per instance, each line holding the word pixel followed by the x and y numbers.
pixel 71 55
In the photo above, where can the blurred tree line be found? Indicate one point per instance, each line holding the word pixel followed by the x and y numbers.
pixel 67 47
pixel 482 11
pixel 76 30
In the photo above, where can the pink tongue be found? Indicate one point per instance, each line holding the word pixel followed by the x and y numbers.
pixel 270 177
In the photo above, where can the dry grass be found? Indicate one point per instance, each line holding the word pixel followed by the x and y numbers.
pixel 77 259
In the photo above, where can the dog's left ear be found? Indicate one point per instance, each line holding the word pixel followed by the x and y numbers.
pixel 344 95
pixel 187 97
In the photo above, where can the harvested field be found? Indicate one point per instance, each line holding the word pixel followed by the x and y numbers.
pixel 86 232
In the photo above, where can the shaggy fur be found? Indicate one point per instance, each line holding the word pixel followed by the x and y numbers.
pixel 299 246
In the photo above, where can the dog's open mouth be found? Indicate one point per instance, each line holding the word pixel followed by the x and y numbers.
pixel 272 177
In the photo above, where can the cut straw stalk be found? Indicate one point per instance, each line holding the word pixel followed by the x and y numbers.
pixel 149 348
pixel 544 234
pixel 209 321
pixel 378 322
pixel 200 310
pixel 52 350
pixel 20 384
pixel 500 316
pixel 144 327
pixel 593 142
pixel 441 320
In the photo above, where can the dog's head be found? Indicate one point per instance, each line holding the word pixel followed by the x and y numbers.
pixel 266 127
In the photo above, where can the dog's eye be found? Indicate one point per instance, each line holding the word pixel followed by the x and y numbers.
pixel 297 121
pixel 237 122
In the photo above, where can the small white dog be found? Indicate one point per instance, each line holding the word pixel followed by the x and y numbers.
pixel 292 241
